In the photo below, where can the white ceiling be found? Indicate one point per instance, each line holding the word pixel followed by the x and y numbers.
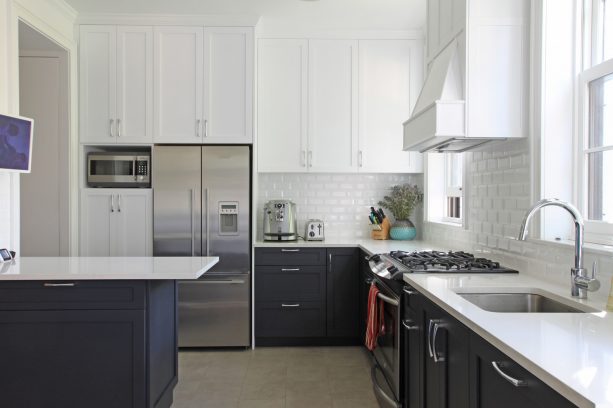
pixel 328 14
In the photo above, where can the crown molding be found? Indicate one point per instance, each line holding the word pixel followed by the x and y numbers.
pixel 212 20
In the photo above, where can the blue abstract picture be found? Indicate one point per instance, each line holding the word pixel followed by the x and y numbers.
pixel 15 143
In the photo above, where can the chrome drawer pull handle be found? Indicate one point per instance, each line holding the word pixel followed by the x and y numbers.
pixel 434 352
pixel 58 285
pixel 289 250
pixel 410 325
pixel 291 305
pixel 290 269
pixel 514 381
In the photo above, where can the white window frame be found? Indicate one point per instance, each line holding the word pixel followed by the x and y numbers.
pixel 599 232
pixel 437 190
pixel 453 191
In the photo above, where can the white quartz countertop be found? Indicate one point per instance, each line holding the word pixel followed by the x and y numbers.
pixel 106 268
pixel 571 352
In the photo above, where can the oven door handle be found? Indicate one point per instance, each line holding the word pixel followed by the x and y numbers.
pixel 379 390
pixel 388 299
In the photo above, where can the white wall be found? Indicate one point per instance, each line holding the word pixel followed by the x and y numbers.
pixel 342 201
pixel 56 20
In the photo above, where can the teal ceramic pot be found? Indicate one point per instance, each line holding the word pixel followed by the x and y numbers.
pixel 403 230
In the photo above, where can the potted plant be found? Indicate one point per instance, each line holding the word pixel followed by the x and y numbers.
pixel 401 202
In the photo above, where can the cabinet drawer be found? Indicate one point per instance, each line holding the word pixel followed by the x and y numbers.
pixel 489 388
pixel 74 295
pixel 277 283
pixel 290 319
pixel 290 256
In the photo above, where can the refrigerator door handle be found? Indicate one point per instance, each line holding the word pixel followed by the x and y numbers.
pixel 192 226
pixel 208 239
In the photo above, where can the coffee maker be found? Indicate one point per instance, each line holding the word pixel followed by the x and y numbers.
pixel 280 221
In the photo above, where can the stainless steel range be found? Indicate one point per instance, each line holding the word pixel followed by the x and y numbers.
pixel 387 273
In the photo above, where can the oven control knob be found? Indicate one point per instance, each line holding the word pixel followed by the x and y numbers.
pixel 392 269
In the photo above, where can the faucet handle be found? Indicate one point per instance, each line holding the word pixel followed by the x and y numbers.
pixel 584 282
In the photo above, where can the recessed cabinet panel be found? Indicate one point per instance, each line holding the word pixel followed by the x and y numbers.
pixel 282 105
pixel 97 84
pixel 389 80
pixel 228 90
pixel 134 85
pixel 332 132
pixel 178 87
pixel 96 210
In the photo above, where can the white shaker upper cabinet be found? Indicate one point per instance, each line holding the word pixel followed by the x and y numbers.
pixel 282 105
pixel 178 84
pixel 390 76
pixel 116 84
pixel 333 103
pixel 228 85
pixel 97 85
pixel 134 117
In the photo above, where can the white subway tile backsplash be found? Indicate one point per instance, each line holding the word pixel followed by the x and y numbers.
pixel 343 201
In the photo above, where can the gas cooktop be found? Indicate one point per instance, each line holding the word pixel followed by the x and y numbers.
pixel 396 263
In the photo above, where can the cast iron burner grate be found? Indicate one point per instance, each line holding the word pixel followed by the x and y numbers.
pixel 447 262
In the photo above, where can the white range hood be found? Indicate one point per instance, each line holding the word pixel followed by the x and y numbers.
pixel 438 122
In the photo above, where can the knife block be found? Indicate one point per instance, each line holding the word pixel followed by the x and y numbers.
pixel 383 231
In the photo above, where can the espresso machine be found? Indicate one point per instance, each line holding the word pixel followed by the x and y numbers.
pixel 280 221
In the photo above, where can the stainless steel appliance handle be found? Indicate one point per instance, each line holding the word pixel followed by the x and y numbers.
pixel 208 239
pixel 514 381
pixel 410 324
pixel 435 356
pixel 290 305
pixel 206 128
pixel 216 281
pixel 289 250
pixel 118 127
pixel 111 121
pixel 192 193
pixel 290 269
pixel 387 299
pixel 379 390
pixel 59 285
pixel 197 127
pixel 118 202
pixel 429 339
pixel 112 202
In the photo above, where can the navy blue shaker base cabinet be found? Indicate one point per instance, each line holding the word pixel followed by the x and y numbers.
pixel 64 347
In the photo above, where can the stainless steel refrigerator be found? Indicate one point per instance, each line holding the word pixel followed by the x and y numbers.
pixel 201 208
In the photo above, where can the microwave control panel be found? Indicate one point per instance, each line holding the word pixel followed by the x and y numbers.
pixel 142 167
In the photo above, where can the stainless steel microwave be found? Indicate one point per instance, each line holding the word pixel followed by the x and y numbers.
pixel 118 169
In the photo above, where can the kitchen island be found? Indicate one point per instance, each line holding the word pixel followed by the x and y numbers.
pixel 91 332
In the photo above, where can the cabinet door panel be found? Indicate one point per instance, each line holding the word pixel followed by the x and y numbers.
pixel 390 75
pixel 73 358
pixel 297 283
pixel 132 223
pixel 96 211
pixel 178 84
pixel 290 319
pixel 228 85
pixel 282 105
pixel 97 84
pixel 134 84
pixel 342 292
pixel 332 133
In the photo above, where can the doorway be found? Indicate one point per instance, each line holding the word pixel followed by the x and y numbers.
pixel 44 96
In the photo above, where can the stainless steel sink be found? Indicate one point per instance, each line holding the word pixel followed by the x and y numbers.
pixel 519 303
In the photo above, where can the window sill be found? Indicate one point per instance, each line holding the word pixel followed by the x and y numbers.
pixel 445 223
pixel 588 247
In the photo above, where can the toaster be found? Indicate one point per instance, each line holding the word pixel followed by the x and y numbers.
pixel 314 230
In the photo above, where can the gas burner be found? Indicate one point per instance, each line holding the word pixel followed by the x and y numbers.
pixel 446 262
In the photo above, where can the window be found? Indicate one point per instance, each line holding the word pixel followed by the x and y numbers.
pixel 453 187
pixel 595 138
pixel 444 194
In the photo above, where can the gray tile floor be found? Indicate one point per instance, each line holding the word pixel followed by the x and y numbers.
pixel 275 377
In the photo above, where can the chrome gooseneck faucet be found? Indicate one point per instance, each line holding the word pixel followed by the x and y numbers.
pixel 579 281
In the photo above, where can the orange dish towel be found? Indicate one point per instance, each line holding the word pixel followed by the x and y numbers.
pixel 375 322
